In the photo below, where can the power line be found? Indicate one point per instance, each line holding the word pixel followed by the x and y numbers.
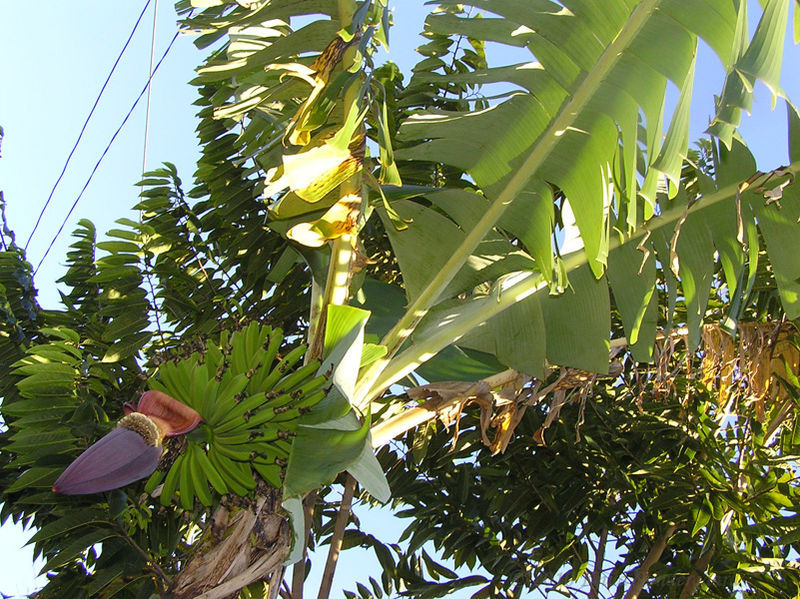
pixel 149 89
pixel 86 122
pixel 108 147
pixel 147 271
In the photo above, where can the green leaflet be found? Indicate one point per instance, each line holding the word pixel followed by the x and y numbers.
pixel 34 477
pixel 581 167
pixel 459 363
pixel 676 143
pixel 732 166
pixel 344 337
pixel 581 342
pixel 330 438
pixel 531 218
pixel 46 383
pixel 129 347
pixel 76 547
pixel 632 277
pixel 695 251
pixel 125 325
pixel 779 227
pixel 74 520
pixel 319 454
pixel 106 576
pixel 384 302
pixel 718 24
pixel 421 261
pixel 660 244
pixel 516 337
pixel 794 122
pixel 760 60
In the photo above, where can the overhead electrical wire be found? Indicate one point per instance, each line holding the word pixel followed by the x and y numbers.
pixel 149 89
pixel 108 147
pixel 148 270
pixel 86 122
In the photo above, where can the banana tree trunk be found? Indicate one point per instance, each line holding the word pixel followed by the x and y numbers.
pixel 245 543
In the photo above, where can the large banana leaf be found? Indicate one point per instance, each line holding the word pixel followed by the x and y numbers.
pixel 587 122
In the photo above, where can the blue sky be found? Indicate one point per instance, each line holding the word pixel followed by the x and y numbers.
pixel 57 55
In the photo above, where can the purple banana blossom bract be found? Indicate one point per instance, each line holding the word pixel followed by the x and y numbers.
pixel 116 460
pixel 132 450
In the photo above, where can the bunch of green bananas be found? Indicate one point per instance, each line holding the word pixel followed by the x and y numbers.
pixel 250 399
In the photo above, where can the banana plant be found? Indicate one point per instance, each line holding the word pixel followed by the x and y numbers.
pixel 583 127
pixel 351 235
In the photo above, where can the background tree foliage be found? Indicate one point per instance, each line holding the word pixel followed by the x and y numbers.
pixel 604 318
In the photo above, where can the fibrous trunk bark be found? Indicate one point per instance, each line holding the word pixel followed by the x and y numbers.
pixel 246 543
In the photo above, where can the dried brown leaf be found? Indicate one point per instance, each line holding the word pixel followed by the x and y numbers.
pixel 505 424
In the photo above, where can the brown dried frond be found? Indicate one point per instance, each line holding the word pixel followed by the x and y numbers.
pixel 505 423
pixel 500 409
pixel 745 372
pixel 719 362
pixel 572 384
pixel 663 351
pixel 441 394
pixel 503 409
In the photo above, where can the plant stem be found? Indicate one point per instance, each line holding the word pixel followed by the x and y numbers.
pixel 275 580
pixel 151 563
pixel 338 535
pixel 346 10
pixel 597 571
pixel 256 571
pixel 694 577
pixel 316 323
pixel 299 569
pixel 337 285
pixel 643 571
